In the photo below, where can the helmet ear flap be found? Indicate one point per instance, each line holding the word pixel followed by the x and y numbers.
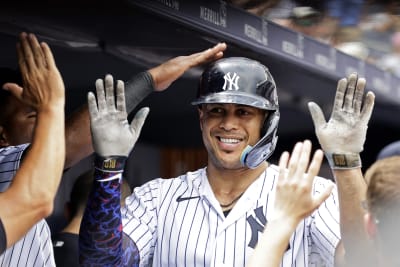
pixel 253 156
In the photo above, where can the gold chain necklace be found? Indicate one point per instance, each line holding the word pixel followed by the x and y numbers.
pixel 233 201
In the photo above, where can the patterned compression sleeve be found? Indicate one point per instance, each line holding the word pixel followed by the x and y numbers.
pixel 100 237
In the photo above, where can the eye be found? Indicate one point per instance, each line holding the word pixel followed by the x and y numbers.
pixel 32 114
pixel 243 112
pixel 216 110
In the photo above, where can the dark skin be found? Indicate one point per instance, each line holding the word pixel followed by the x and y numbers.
pixel 77 129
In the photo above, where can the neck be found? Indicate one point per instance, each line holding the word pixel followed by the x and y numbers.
pixel 229 185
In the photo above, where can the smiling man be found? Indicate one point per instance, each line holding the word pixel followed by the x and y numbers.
pixel 215 215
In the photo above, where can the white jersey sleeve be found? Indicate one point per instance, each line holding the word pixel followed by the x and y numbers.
pixel 139 218
pixel 325 225
pixel 35 248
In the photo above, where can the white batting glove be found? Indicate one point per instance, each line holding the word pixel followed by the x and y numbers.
pixel 111 133
pixel 342 137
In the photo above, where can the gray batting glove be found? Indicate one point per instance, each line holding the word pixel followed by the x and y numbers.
pixel 111 133
pixel 342 137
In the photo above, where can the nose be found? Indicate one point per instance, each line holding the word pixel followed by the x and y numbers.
pixel 229 122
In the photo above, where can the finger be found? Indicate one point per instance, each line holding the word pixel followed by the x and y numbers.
pixel 14 88
pixel 37 52
pixel 319 199
pixel 316 114
pixel 368 106
pixel 21 59
pixel 303 160
pixel 48 55
pixel 358 95
pixel 27 52
pixel 110 99
pixel 121 105
pixel 208 55
pixel 101 100
pixel 283 161
pixel 340 94
pixel 349 95
pixel 294 158
pixel 92 106
pixel 315 165
pixel 217 51
pixel 138 120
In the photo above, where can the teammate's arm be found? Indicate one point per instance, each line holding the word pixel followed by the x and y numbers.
pixel 31 194
pixel 100 237
pixel 293 202
pixel 342 139
pixel 159 78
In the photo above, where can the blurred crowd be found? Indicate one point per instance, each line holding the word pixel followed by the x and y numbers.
pixel 366 29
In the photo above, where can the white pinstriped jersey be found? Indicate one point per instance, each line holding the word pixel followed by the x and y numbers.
pixel 179 222
pixel 35 248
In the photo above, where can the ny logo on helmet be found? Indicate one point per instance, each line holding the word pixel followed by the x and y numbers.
pixel 232 81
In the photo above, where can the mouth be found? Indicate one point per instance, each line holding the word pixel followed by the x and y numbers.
pixel 229 144
pixel 231 141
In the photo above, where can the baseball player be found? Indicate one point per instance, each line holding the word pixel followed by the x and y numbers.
pixel 33 246
pixel 30 197
pixel 214 216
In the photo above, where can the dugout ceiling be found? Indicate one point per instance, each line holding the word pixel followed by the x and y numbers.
pixel 92 38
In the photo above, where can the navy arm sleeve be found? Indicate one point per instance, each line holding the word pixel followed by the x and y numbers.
pixel 137 88
pixel 101 237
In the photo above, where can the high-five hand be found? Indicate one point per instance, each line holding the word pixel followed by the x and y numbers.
pixel 342 137
pixel 112 135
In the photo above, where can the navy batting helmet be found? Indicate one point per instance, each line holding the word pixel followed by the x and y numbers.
pixel 240 80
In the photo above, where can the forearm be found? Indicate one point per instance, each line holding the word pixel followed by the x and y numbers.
pixel 31 194
pixel 272 244
pixel 351 192
pixel 77 137
pixel 100 237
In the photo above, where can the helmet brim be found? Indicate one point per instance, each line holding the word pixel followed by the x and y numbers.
pixel 234 97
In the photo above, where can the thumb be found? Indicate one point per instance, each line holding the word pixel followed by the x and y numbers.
pixel 323 196
pixel 138 120
pixel 316 114
pixel 14 88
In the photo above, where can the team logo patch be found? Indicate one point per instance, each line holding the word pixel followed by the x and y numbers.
pixel 231 81
pixel 257 225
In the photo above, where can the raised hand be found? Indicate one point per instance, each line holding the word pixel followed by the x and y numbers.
pixel 112 135
pixel 166 73
pixel 42 82
pixel 294 200
pixel 345 132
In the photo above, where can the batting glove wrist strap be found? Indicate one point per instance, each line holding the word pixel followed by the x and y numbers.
pixel 110 164
pixel 343 161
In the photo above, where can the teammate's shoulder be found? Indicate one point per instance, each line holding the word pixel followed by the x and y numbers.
pixel 12 149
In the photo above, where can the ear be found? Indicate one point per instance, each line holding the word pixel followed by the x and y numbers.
pixel 3 137
pixel 370 225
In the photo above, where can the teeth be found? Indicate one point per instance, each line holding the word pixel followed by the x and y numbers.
pixel 230 140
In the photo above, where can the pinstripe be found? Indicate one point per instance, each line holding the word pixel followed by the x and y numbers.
pixel 197 239
pixel 35 248
pixel 193 231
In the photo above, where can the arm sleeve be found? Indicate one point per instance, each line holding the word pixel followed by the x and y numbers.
pixel 101 237
pixel 137 88
pixel 3 238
